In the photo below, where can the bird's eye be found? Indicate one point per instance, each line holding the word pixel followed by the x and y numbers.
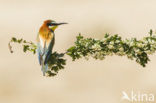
pixel 48 24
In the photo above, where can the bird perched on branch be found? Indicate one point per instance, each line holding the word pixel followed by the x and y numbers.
pixel 45 42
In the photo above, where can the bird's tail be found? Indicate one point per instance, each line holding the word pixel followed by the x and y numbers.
pixel 44 69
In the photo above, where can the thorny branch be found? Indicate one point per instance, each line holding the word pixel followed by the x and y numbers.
pixel 134 49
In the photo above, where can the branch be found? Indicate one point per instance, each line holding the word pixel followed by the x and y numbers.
pixel 134 49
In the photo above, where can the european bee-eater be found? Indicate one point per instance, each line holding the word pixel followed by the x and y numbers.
pixel 45 42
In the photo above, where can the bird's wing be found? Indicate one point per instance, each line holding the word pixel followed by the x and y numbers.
pixel 40 49
pixel 39 53
pixel 49 50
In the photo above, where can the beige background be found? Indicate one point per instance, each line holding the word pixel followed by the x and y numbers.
pixel 92 81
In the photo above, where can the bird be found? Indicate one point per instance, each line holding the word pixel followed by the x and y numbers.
pixel 45 42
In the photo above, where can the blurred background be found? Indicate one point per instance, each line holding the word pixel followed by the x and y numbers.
pixel 92 81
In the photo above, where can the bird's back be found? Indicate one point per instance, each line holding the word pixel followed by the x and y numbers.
pixel 45 36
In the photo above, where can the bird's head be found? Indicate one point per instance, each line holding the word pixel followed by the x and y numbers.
pixel 52 24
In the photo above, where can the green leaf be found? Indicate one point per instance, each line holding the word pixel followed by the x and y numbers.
pixel 151 32
pixel 14 39
pixel 25 48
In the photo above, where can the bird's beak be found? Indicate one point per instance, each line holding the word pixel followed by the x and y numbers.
pixel 55 24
